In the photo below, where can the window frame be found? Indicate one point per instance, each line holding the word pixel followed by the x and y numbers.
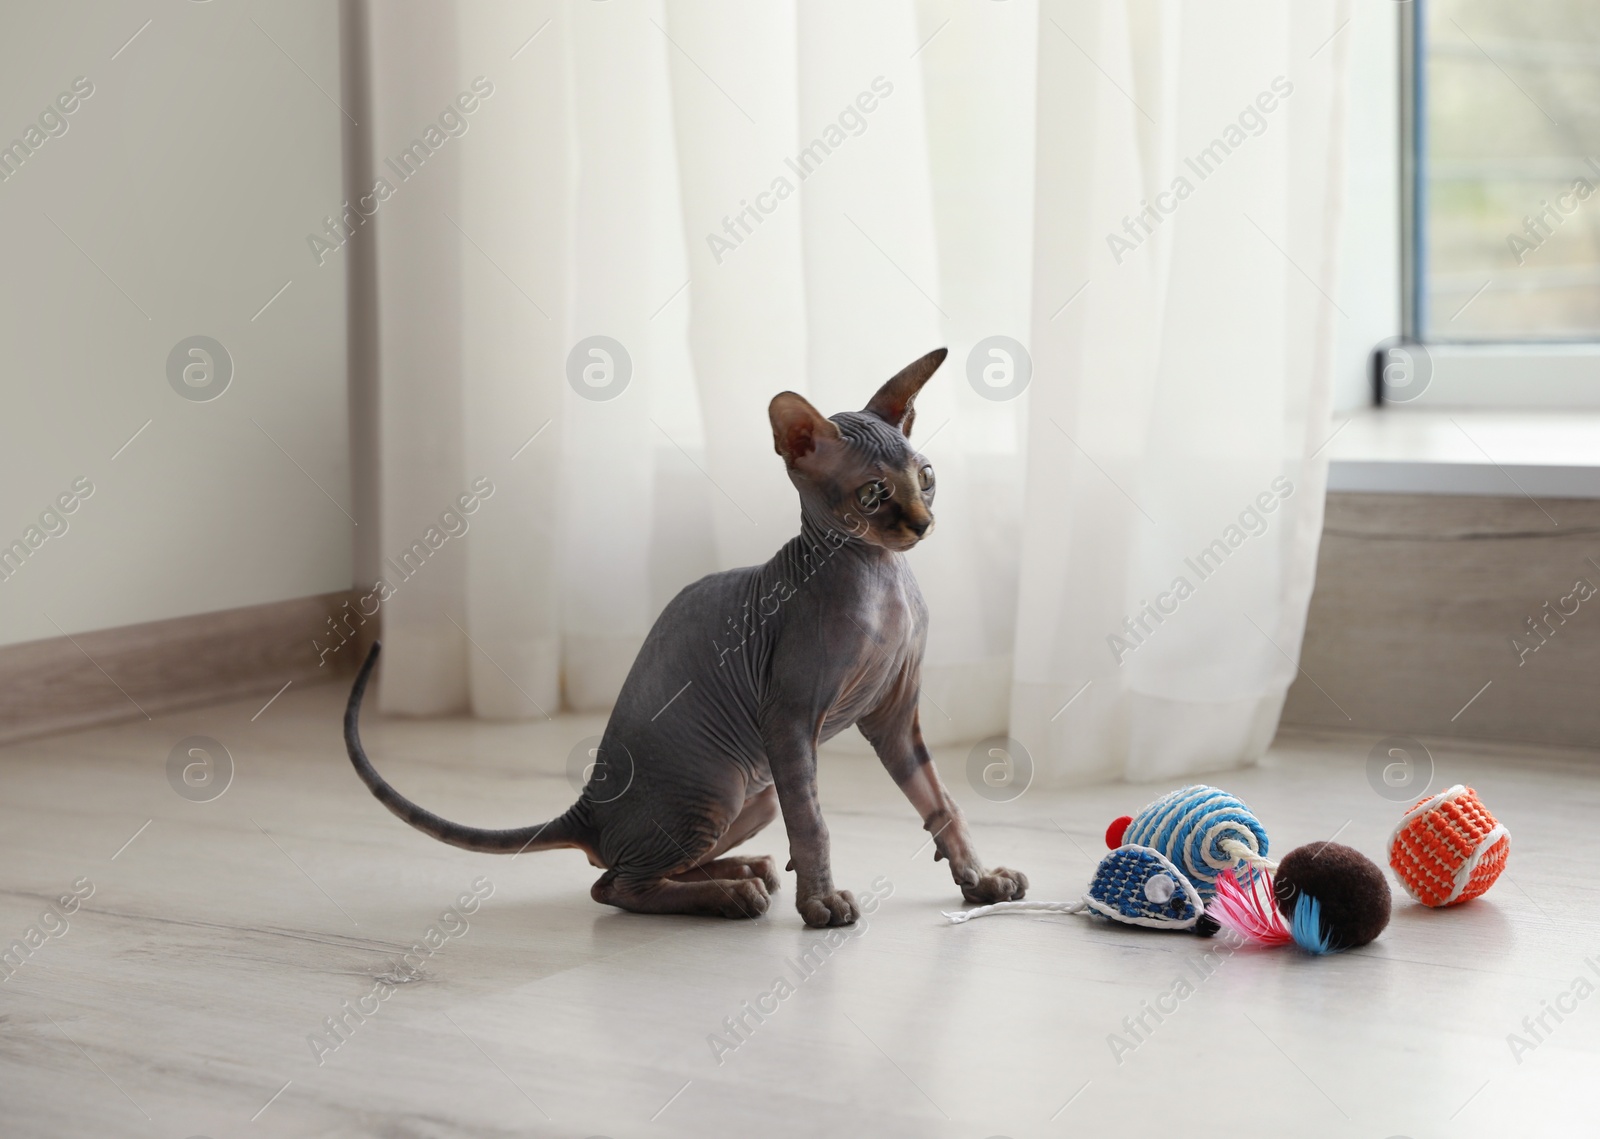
pixel 1509 373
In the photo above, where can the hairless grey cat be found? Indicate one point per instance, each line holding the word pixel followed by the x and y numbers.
pixel 743 675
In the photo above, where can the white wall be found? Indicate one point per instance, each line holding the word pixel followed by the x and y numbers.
pixel 1369 285
pixel 177 202
pixel 184 189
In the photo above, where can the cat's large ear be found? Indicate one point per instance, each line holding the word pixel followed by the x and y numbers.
pixel 892 404
pixel 797 427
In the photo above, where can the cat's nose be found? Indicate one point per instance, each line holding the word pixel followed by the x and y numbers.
pixel 920 526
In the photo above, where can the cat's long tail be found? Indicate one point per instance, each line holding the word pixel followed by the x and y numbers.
pixel 562 831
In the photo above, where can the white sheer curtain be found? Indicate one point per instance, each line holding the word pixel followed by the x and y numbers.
pixel 645 171
pixel 1190 373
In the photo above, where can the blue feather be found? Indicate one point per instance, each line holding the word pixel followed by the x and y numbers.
pixel 1306 928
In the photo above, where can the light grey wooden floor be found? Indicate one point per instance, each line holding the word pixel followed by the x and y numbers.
pixel 179 999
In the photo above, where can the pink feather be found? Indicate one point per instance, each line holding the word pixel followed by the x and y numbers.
pixel 1251 910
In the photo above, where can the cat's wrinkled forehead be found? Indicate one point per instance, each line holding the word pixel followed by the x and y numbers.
pixel 871 438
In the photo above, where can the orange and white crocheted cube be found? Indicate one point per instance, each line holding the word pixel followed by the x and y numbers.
pixel 1448 848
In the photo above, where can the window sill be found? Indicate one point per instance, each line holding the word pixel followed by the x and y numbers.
pixel 1413 450
pixel 1535 376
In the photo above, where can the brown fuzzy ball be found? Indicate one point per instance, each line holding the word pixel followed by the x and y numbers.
pixel 1352 891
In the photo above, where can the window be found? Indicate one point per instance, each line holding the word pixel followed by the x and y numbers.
pixel 1501 118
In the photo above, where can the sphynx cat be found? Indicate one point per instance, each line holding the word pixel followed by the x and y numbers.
pixel 744 674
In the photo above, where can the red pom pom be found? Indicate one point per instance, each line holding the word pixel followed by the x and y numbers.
pixel 1116 830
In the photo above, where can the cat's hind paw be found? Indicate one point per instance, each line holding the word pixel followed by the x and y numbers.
pixel 744 898
pixel 821 910
pixel 997 885
pixel 735 867
pixel 763 866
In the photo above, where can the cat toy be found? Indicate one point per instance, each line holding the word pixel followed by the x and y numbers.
pixel 1205 831
pixel 1134 885
pixel 1324 897
pixel 1163 862
pixel 1448 849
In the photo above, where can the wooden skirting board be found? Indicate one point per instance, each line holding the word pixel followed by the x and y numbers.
pixel 1417 601
pixel 127 673
pixel 1410 631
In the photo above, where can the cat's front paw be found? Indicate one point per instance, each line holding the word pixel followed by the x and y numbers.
pixel 997 885
pixel 837 908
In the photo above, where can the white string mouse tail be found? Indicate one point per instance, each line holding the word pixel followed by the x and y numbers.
pixel 958 916
pixel 1248 855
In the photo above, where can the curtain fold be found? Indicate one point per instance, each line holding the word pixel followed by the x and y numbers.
pixel 1185 191
pixel 665 213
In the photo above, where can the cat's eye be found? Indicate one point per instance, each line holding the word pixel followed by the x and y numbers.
pixel 871 495
pixel 925 478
